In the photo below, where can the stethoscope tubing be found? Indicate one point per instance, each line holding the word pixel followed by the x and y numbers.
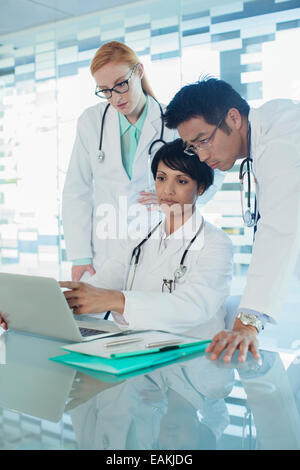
pixel 102 127
pixel 136 255
pixel 249 218
pixel 179 272
pixel 190 243
pixel 161 137
pixel 137 251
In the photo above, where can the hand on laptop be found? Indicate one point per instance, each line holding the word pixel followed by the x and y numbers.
pixel 83 298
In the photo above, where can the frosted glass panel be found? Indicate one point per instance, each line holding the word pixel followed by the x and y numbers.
pixel 45 84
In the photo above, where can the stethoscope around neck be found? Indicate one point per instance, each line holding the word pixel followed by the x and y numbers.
pixel 101 154
pixel 250 217
pixel 168 285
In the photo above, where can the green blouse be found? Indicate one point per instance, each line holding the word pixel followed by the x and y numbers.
pixel 130 136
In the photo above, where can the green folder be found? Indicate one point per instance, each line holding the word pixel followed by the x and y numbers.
pixel 126 365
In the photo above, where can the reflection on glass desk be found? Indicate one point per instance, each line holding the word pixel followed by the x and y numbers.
pixel 193 404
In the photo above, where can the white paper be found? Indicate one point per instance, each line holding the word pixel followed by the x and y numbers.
pixel 143 340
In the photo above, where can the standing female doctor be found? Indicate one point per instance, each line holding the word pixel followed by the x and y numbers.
pixel 109 162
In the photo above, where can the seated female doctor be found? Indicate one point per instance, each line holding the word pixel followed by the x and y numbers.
pixel 178 277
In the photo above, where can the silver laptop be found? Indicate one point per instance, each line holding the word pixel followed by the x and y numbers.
pixel 38 306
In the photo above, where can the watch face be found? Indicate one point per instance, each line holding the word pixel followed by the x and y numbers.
pixel 252 320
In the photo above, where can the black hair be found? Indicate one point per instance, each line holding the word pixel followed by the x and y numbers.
pixel 210 98
pixel 173 156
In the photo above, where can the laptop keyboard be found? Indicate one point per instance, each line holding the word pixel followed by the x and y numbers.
pixel 89 332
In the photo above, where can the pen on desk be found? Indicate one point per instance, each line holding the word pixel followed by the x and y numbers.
pixel 121 342
pixel 197 344
pixel 163 343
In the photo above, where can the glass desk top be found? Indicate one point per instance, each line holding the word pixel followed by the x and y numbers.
pixel 192 404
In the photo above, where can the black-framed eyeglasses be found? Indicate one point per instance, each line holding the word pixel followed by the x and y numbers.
pixel 191 149
pixel 120 88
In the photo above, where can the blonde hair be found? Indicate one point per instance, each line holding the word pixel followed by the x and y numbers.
pixel 115 51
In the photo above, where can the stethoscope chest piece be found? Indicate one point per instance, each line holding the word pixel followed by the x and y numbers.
pixel 101 156
pixel 248 218
pixel 180 272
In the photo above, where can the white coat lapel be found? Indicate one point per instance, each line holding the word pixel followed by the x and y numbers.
pixel 112 145
pixel 156 260
pixel 177 244
pixel 173 249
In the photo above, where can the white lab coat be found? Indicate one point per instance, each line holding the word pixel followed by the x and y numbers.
pixel 196 307
pixel 275 146
pixel 93 189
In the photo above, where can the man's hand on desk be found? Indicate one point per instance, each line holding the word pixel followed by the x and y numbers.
pixel 240 337
pixel 84 298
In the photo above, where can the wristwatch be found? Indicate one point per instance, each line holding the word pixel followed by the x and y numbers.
pixel 250 319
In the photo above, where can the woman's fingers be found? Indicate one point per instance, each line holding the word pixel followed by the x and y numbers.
pixel 70 284
pixel 73 303
pixel 78 271
pixel 148 198
pixel 78 310
pixel 3 321
pixel 76 295
pixel 3 324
